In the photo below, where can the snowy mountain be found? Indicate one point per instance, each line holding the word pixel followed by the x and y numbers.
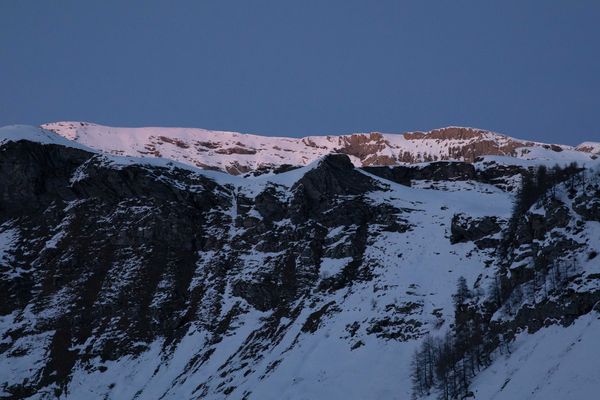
pixel 238 153
pixel 128 270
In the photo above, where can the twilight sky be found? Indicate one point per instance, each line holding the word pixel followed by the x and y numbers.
pixel 530 69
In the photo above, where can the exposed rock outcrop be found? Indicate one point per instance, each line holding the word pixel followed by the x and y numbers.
pixel 502 176
pixel 466 229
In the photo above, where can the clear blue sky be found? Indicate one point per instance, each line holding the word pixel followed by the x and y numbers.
pixel 530 69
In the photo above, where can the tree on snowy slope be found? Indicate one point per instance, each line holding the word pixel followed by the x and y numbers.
pixel 449 363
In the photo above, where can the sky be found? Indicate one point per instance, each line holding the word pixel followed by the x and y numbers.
pixel 529 69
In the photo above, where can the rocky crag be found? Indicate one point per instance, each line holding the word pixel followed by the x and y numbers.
pixel 127 278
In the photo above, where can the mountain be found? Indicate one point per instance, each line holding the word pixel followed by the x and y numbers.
pixel 128 277
pixel 238 153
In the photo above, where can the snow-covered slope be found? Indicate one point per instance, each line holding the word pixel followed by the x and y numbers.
pixel 13 133
pixel 136 278
pixel 239 153
pixel 555 363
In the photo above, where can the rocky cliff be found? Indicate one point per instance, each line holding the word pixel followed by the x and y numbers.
pixel 127 278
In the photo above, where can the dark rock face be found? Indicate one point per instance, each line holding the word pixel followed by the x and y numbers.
pixel 466 229
pixel 110 254
pixel 335 176
pixel 270 206
pixel 542 263
pixel 33 176
pixel 437 171
pixel 491 173
pixel 498 175
pixel 96 251
pixel 588 205
pixel 111 258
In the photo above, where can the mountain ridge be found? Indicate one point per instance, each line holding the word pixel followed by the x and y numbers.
pixel 238 153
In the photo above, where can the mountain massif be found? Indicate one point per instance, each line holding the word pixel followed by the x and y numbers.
pixel 238 153
pixel 163 263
